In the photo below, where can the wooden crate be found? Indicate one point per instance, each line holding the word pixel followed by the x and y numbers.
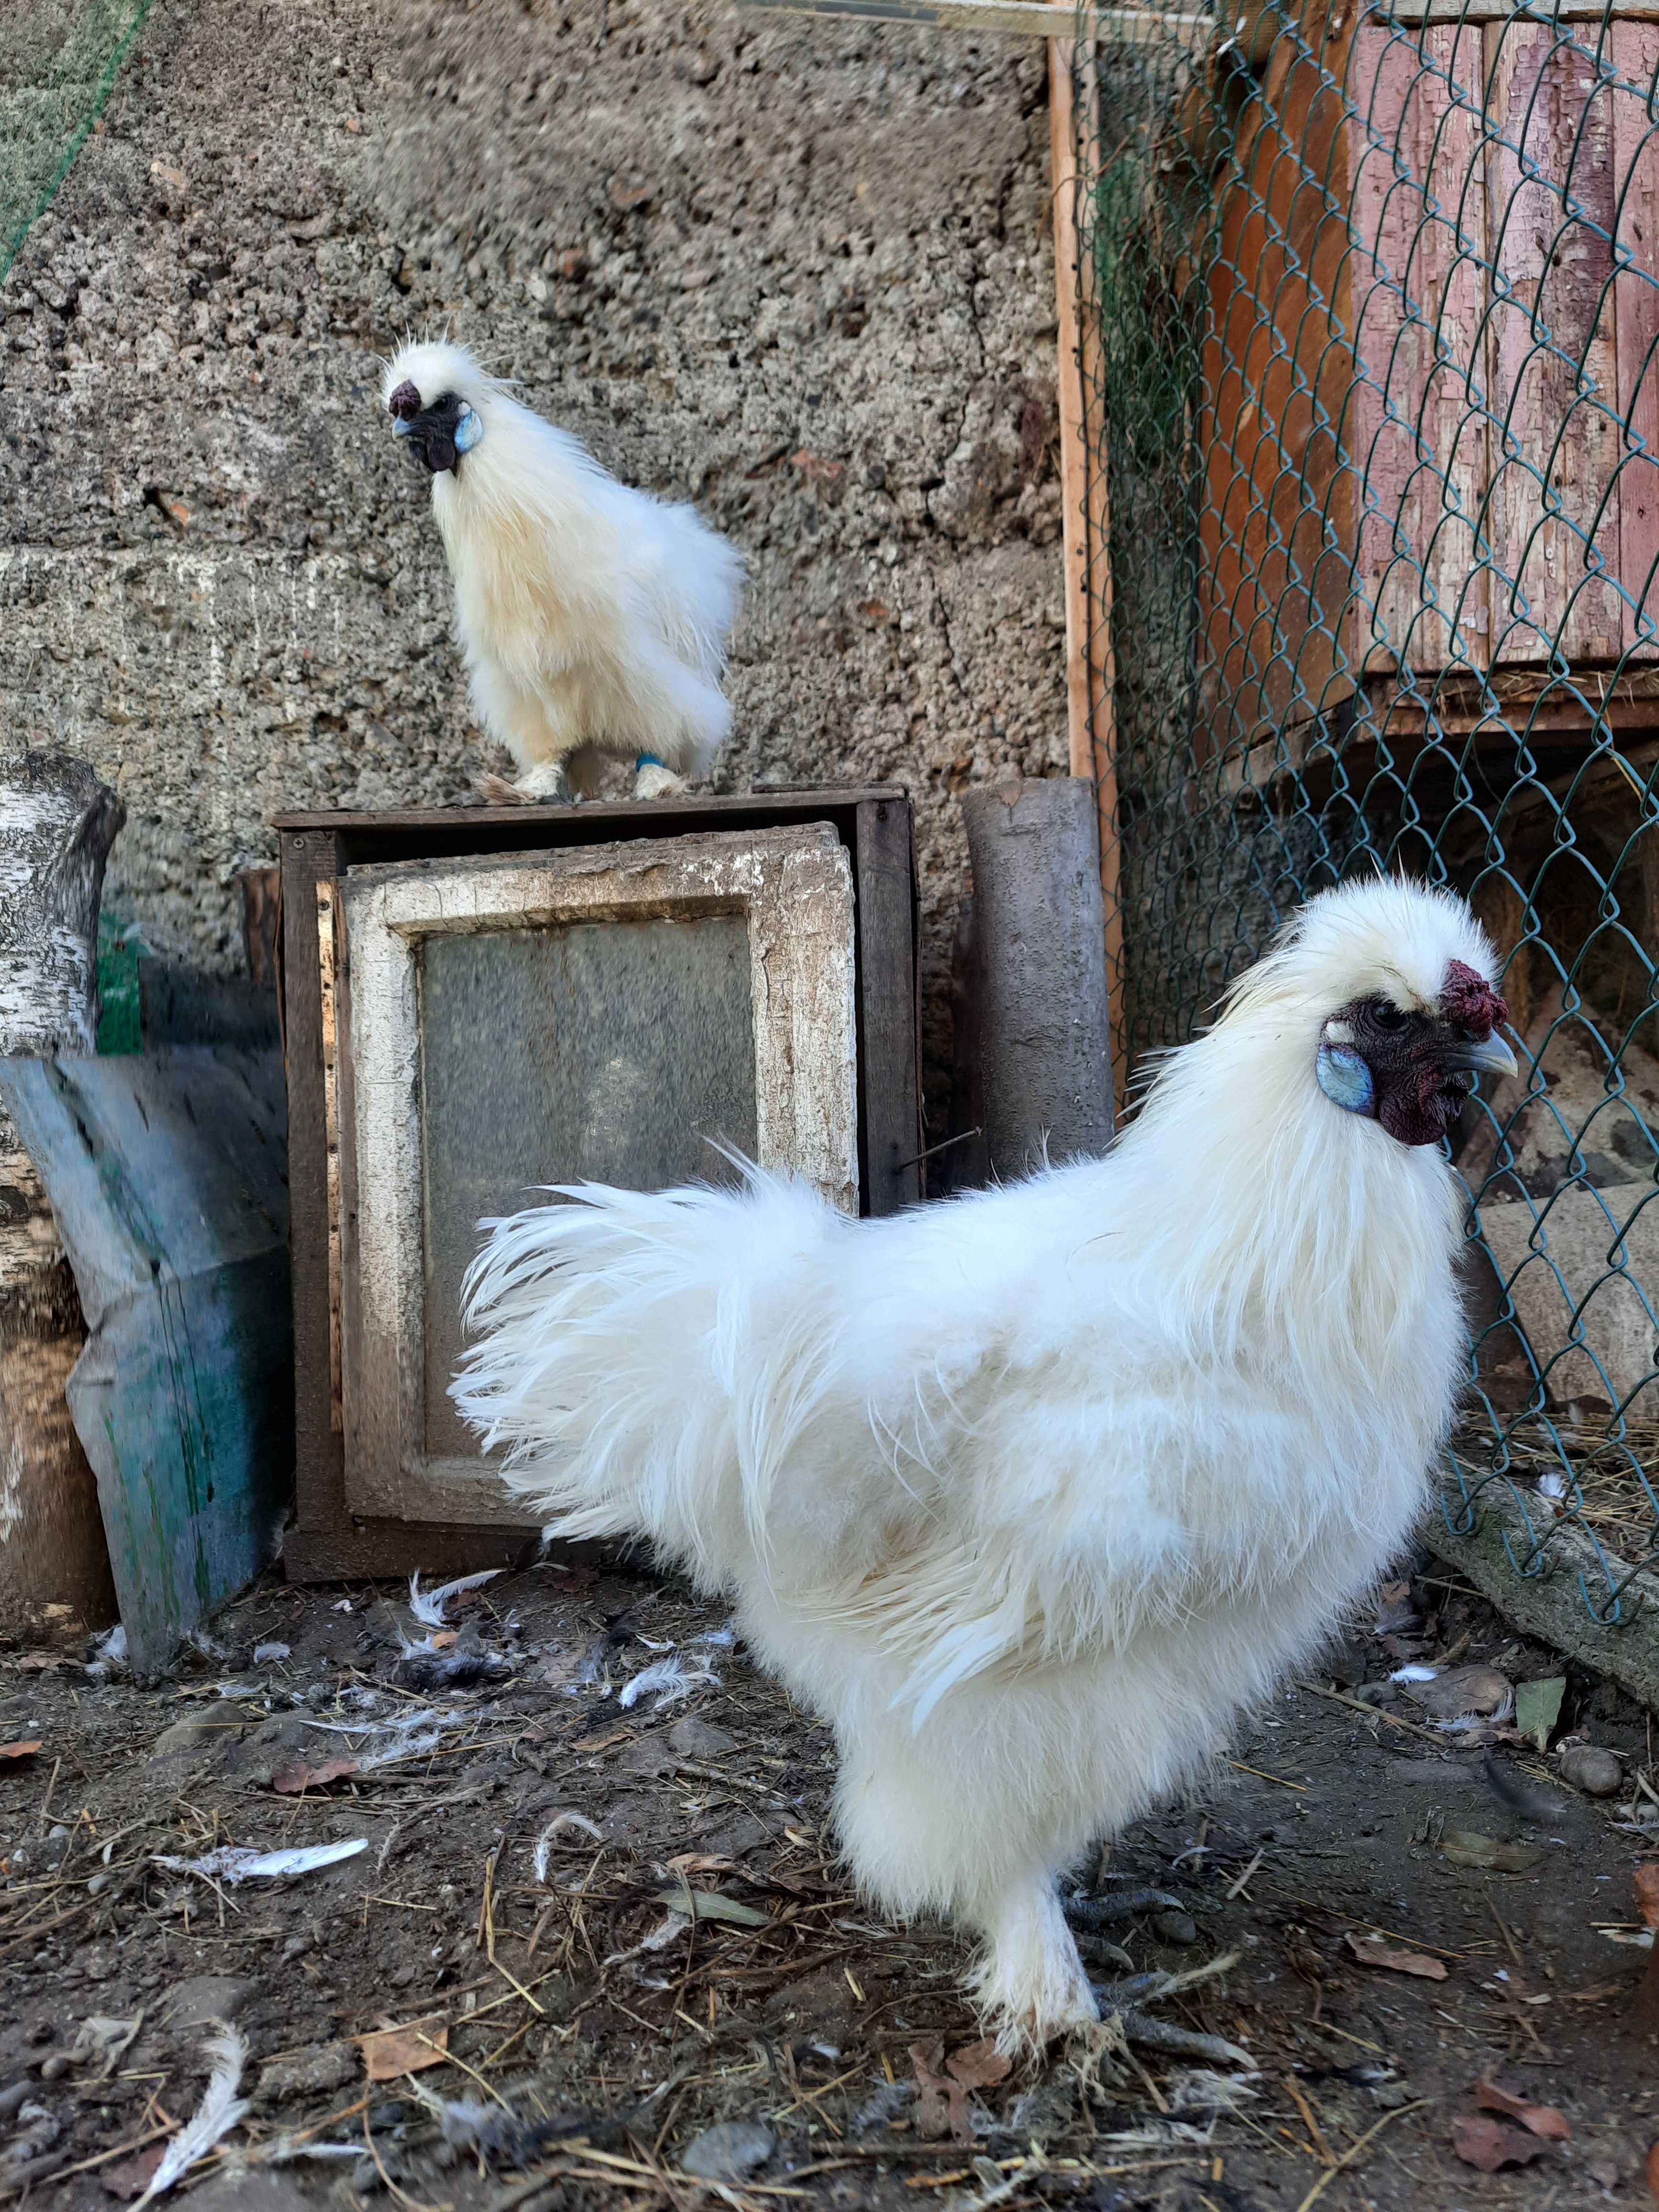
pixel 318 853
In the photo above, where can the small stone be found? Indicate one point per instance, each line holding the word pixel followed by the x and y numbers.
pixel 1478 1690
pixel 12 2097
pixel 1592 1768
pixel 692 1738
pixel 330 2068
pixel 729 2152
pixel 54 2066
pixel 1175 1927
pixel 206 1998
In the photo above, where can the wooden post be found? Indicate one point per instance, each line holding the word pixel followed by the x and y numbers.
pixel 1091 671
pixel 56 824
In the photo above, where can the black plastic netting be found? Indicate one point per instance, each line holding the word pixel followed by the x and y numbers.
pixel 1371 305
pixel 57 62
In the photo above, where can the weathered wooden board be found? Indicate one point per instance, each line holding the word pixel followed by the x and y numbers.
pixel 1636 320
pixel 1418 437
pixel 167 1174
pixel 1552 364
pixel 1277 528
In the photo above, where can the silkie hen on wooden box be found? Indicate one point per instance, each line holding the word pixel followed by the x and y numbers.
pixel 1031 1492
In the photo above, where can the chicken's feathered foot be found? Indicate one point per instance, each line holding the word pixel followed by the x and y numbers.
pixel 654 779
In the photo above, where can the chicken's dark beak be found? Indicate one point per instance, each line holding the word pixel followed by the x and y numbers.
pixel 1483 1056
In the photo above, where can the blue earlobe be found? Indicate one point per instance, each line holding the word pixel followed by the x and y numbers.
pixel 1345 1080
pixel 468 430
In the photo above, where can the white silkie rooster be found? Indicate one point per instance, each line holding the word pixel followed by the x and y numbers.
pixel 593 618
pixel 1032 1492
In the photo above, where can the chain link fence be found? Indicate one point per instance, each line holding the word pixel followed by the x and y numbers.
pixel 1372 304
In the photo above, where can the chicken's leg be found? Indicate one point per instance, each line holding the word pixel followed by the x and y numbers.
pixel 1030 1979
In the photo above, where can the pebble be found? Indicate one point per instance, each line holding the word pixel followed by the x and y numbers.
pixel 729 2152
pixel 1175 1927
pixel 13 2097
pixel 1591 1768
pixel 54 2066
pixel 1479 1690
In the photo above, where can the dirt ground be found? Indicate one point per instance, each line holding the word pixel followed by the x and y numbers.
pixel 687 2005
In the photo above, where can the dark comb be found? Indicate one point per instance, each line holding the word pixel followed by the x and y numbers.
pixel 1469 1000
pixel 404 402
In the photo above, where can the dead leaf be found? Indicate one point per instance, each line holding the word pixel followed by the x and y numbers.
pixel 1463 1847
pixel 942 2099
pixel 418 2044
pixel 1651 2170
pixel 132 2177
pixel 702 1863
pixel 1647 1892
pixel 934 2090
pixel 21 1750
pixel 1538 1708
pixel 713 1904
pixel 296 1778
pixel 1371 1951
pixel 603 1742
pixel 1488 2144
pixel 979 2065
pixel 38 1662
pixel 1538 2119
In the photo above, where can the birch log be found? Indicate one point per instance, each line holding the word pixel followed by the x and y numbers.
pixel 58 822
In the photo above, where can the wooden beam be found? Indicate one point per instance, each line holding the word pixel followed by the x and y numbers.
pixel 1020 19
pixel 1090 670
pixel 1411 14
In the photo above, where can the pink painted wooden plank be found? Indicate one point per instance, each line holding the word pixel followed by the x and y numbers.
pixel 1635 55
pixel 1419 436
pixel 1553 400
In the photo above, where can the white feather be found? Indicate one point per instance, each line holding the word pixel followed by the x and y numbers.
pixel 590 615
pixel 216 2116
pixel 431 1606
pixel 1029 1493
pixel 556 1826
pixel 671 1679
pixel 232 1863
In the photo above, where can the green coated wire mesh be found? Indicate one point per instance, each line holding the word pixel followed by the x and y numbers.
pixel 57 62
pixel 1371 309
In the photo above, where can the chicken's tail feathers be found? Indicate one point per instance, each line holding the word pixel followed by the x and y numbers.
pixel 632 1361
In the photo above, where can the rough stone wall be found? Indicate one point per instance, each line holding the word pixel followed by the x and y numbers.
pixel 801 274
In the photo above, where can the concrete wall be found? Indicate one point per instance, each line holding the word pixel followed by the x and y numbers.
pixel 801 274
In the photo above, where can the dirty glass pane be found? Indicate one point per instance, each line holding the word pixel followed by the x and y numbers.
pixel 608 1050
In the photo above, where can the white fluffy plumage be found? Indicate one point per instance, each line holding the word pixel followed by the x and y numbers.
pixel 592 618
pixel 1030 1492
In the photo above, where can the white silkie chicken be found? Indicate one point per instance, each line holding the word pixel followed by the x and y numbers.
pixel 1031 1492
pixel 593 618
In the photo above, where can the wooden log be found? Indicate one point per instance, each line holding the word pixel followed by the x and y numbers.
pixel 58 822
pixel 1039 949
pixel 1086 511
